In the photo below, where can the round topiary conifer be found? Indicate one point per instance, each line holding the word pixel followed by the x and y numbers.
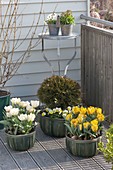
pixel 58 91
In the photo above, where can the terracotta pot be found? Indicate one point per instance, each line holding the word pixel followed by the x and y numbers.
pixel 21 142
pixel 82 148
pixel 52 126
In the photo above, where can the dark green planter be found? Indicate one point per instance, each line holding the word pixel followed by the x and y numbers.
pixel 52 127
pixel 4 101
pixel 82 148
pixel 21 142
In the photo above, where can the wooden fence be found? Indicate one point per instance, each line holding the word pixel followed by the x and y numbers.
pixel 97 68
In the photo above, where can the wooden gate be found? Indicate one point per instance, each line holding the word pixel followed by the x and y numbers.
pixel 97 68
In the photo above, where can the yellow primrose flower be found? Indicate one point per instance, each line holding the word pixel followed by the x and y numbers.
pixel 43 114
pixel 86 124
pixel 91 110
pixel 100 117
pixel 80 127
pixel 94 128
pixel 99 110
pixel 51 112
pixel 94 122
pixel 83 110
pixel 69 116
pixel 75 109
pixel 69 108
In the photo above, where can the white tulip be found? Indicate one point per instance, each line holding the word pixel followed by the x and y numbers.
pixel 14 111
pixel 15 100
pixel 30 109
pixel 8 114
pixel 24 104
pixel 22 117
pixel 31 117
pixel 8 108
pixel 34 103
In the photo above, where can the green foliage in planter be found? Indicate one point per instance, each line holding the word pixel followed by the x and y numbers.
pixel 107 149
pixel 58 91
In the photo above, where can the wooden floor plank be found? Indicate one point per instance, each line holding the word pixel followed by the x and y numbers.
pixel 6 161
pixel 43 158
pixel 56 152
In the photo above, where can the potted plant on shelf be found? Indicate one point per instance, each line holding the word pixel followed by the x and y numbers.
pixel 19 122
pixel 107 148
pixel 53 22
pixel 57 93
pixel 84 130
pixel 67 21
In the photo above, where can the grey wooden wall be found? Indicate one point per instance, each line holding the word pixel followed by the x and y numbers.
pixel 97 68
pixel 32 73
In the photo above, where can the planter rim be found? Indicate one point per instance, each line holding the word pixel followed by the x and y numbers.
pixel 4 90
pixel 46 117
pixel 66 24
pixel 51 24
pixel 83 141
pixel 21 134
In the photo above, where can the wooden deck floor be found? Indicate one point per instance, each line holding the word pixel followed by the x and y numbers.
pixel 47 154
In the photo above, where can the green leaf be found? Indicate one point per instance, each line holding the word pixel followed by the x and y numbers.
pixel 69 128
pixel 5 122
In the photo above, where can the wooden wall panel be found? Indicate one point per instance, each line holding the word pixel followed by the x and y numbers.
pixel 97 68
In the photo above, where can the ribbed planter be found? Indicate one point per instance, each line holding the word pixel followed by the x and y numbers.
pixel 21 142
pixel 53 30
pixel 66 30
pixel 52 127
pixel 4 101
pixel 82 148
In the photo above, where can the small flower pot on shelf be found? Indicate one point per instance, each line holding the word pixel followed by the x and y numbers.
pixel 67 21
pixel 53 29
pixel 66 30
pixel 53 22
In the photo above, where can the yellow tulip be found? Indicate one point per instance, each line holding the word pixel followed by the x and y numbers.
pixel 74 122
pixel 99 110
pixel 100 117
pixel 80 118
pixel 91 110
pixel 80 127
pixel 75 109
pixel 86 124
pixel 83 110
pixel 69 116
pixel 94 128
pixel 94 122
